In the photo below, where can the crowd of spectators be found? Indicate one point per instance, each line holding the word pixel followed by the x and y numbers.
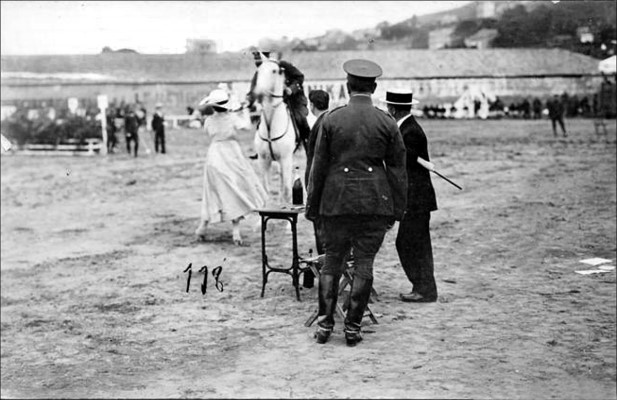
pixel 525 108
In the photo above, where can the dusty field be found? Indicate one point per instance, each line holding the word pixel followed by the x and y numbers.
pixel 93 301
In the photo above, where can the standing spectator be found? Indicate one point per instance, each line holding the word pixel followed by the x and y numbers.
pixel 536 106
pixel 141 114
pixel 413 241
pixel 131 126
pixel 357 187
pixel 110 120
pixel 319 101
pixel 556 111
pixel 158 126
pixel 526 108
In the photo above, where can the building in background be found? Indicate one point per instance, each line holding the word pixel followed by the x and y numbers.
pixel 181 80
pixel 481 39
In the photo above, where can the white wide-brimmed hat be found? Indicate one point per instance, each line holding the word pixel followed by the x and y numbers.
pixel 217 97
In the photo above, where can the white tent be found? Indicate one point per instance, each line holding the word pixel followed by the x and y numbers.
pixel 468 98
pixel 608 66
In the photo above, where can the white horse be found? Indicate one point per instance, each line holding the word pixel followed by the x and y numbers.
pixel 275 139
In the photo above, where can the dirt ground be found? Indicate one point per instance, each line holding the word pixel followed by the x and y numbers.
pixel 94 302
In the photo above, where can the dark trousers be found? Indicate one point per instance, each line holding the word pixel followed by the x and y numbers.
pixel 309 277
pixel 132 137
pixel 112 141
pixel 413 244
pixel 554 122
pixel 319 236
pixel 159 139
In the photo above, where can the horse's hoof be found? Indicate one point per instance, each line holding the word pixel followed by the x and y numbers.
pixel 239 243
pixel 201 238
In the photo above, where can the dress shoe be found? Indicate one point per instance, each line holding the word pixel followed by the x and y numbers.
pixel 352 337
pixel 322 334
pixel 415 297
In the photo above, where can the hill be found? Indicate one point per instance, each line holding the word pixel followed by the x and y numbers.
pixel 585 27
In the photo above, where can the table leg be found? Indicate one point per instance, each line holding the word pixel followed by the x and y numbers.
pixel 295 260
pixel 264 260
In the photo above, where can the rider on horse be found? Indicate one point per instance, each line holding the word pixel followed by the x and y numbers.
pixel 294 95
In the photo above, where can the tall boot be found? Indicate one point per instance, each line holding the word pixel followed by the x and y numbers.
pixel 358 300
pixel 328 294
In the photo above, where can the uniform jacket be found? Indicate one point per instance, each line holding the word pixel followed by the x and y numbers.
pixel 358 165
pixel 420 191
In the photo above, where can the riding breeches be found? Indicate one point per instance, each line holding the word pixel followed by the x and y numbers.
pixel 362 233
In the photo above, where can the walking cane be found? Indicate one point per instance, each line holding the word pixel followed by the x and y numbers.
pixel 431 167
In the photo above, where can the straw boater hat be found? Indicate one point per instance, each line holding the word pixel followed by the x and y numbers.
pixel 216 98
pixel 400 97
pixel 257 54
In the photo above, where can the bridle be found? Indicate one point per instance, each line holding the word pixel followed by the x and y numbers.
pixel 269 139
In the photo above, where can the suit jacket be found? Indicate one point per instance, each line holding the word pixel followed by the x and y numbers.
pixel 359 164
pixel 131 123
pixel 555 109
pixel 420 191
pixel 310 146
pixel 158 125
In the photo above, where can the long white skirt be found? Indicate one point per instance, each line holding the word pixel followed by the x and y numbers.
pixel 231 187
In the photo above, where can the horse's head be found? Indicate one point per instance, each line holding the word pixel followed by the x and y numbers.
pixel 270 80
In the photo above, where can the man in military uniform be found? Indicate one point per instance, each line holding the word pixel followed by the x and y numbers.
pixel 357 187
pixel 293 96
pixel 413 241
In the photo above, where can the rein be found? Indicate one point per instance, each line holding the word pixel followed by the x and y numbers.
pixel 269 139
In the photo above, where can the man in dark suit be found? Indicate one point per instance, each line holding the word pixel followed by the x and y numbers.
pixel 357 187
pixel 556 111
pixel 319 102
pixel 413 241
pixel 293 96
pixel 158 126
pixel 131 127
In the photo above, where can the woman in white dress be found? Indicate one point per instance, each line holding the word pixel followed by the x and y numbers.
pixel 231 186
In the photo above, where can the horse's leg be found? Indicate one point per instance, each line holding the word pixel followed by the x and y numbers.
pixel 265 164
pixel 286 178
pixel 236 231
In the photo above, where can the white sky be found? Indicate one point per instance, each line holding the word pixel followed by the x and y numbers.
pixel 85 27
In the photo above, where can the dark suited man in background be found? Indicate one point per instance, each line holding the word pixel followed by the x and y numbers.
pixel 131 127
pixel 293 96
pixel 357 187
pixel 319 103
pixel 556 111
pixel 158 126
pixel 413 241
